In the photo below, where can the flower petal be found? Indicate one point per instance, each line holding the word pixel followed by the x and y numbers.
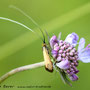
pixel 81 44
pixel 59 58
pixel 73 77
pixel 57 48
pixel 53 41
pixel 54 53
pixel 72 39
pixel 84 56
pixel 88 47
pixel 63 64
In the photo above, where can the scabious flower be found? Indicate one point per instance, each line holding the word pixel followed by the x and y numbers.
pixel 66 56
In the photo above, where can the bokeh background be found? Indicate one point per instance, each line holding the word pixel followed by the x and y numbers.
pixel 19 46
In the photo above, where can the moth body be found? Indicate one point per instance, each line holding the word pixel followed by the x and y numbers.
pixel 48 62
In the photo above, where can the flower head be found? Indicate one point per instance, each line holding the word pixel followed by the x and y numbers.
pixel 66 56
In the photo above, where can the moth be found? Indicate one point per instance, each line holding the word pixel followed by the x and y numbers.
pixel 47 60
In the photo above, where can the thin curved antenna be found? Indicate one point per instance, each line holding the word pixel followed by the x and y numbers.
pixel 7 19
pixel 14 7
pixel 47 35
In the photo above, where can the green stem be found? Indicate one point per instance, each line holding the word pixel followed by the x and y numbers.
pixel 19 69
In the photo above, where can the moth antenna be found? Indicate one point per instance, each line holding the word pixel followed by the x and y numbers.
pixel 7 19
pixel 47 35
pixel 14 7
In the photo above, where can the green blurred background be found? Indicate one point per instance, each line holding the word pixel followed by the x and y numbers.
pixel 19 46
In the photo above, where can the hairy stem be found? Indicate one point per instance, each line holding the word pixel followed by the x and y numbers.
pixel 19 69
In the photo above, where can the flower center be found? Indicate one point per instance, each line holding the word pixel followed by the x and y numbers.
pixel 62 51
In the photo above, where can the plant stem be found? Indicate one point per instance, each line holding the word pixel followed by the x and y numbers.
pixel 19 69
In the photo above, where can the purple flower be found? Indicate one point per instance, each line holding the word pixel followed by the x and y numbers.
pixel 53 41
pixel 64 64
pixel 66 56
pixel 54 53
pixel 74 77
pixel 72 39
pixel 84 53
